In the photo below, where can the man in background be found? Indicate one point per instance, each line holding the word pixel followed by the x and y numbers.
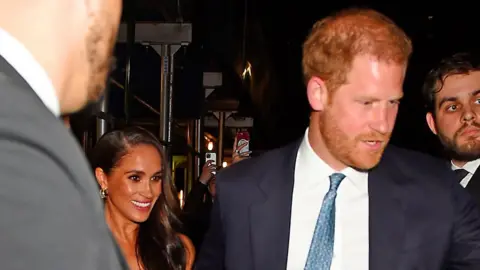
pixel 452 95
pixel 54 58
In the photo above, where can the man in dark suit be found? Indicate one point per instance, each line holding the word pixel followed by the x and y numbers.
pixel 452 94
pixel 336 199
pixel 54 57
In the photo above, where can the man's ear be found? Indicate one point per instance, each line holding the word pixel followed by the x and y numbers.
pixel 317 94
pixel 101 177
pixel 431 122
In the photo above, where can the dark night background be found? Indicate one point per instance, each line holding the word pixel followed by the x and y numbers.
pixel 269 35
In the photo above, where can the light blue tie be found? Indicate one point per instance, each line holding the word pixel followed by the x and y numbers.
pixel 321 249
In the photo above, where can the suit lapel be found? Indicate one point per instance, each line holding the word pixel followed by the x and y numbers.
pixel 386 216
pixel 270 214
pixel 473 186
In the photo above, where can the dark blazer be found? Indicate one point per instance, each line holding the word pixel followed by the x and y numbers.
pixel 418 217
pixel 51 213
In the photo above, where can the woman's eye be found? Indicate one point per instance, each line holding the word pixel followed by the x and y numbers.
pixel 157 178
pixel 134 177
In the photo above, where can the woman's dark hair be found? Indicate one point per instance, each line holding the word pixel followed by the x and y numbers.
pixel 459 63
pixel 158 246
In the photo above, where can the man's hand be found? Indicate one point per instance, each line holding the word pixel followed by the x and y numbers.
pixel 207 172
pixel 236 157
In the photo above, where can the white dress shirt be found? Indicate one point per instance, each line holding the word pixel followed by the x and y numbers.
pixel 31 71
pixel 312 182
pixel 471 167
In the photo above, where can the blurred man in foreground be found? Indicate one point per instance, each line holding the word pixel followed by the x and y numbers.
pixel 54 58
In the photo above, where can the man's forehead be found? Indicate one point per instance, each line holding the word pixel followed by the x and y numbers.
pixel 458 85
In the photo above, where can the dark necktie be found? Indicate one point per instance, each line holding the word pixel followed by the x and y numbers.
pixel 321 248
pixel 460 173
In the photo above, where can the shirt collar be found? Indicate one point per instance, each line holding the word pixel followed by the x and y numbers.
pixel 310 159
pixel 470 166
pixel 31 71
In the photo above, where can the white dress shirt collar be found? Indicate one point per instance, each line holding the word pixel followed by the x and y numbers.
pixel 470 166
pixel 31 71
pixel 308 157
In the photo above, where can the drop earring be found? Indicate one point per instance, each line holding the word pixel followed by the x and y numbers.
pixel 103 193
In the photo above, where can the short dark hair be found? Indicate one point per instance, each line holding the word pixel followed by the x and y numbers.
pixel 458 63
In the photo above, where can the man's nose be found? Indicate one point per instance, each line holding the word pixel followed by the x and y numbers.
pixel 469 115
pixel 380 121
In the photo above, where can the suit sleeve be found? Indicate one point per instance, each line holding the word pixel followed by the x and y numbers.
pixel 465 248
pixel 212 251
pixel 45 222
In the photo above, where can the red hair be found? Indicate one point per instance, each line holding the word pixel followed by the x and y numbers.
pixel 334 41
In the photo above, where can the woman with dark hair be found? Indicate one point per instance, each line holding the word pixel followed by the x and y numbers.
pixel 140 200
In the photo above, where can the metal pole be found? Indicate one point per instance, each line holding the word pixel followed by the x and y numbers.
pixel 191 157
pixel 102 125
pixel 199 146
pixel 130 47
pixel 165 121
pixel 171 52
pixel 85 140
pixel 221 128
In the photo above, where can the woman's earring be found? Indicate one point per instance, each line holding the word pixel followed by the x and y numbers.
pixel 103 193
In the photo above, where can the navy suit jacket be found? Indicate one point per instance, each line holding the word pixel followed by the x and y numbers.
pixel 419 217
